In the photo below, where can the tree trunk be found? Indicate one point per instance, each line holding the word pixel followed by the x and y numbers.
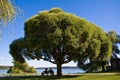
pixel 103 68
pixel 59 70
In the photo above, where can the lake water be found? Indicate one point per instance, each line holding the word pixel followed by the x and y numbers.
pixel 64 70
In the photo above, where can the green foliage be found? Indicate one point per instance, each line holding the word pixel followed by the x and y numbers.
pixel 60 37
pixel 115 40
pixel 14 70
pixel 97 54
pixel 21 68
pixel 67 37
pixel 16 48
pixel 8 13
pixel 113 36
pixel 32 70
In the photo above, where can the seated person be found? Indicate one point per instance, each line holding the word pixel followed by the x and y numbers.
pixel 45 72
pixel 51 71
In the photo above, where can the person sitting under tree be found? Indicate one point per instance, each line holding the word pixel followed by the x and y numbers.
pixel 51 72
pixel 45 72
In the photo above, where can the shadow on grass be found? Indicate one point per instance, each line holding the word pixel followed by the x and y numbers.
pixel 37 77
pixel 66 76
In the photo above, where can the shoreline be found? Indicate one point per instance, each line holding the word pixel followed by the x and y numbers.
pixel 56 67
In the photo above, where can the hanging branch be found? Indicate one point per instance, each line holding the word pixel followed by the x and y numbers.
pixel 8 13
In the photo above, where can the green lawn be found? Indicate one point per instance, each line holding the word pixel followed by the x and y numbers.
pixel 94 76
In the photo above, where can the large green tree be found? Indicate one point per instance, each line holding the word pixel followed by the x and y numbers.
pixel 60 37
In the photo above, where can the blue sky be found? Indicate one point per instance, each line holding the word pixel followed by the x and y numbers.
pixel 103 13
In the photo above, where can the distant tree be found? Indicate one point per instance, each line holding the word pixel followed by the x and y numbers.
pixel 113 36
pixel 60 37
pixel 115 41
pixel 19 67
pixel 104 48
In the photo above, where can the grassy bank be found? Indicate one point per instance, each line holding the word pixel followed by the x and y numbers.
pixel 97 76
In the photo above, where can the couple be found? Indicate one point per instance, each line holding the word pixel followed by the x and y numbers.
pixel 50 71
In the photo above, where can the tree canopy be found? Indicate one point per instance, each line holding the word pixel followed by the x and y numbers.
pixel 60 37
pixel 17 47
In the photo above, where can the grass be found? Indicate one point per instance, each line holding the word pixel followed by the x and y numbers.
pixel 89 76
